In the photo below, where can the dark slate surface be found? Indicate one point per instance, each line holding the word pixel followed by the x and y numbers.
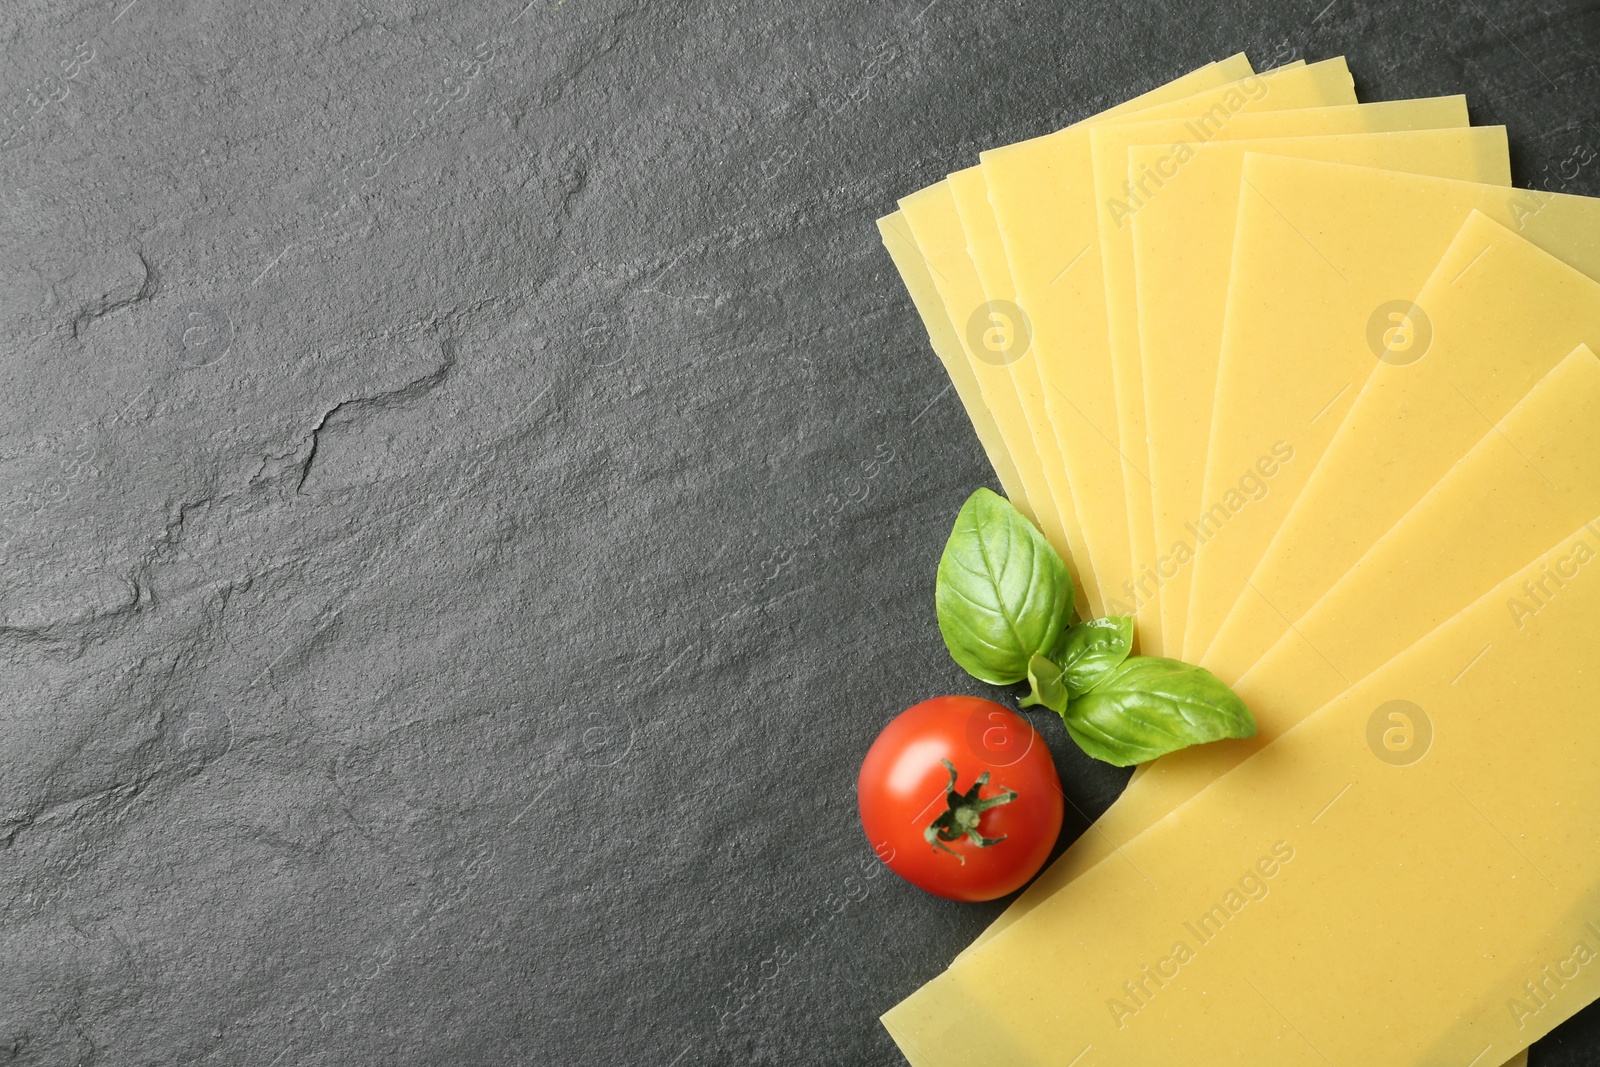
pixel 473 483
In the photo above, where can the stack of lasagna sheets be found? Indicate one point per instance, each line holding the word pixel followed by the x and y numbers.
pixel 1305 386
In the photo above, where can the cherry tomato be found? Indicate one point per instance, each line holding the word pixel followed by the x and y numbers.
pixel 959 796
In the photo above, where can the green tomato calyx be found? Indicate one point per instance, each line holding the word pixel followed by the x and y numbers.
pixel 962 813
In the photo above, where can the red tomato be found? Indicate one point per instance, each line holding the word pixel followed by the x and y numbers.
pixel 959 796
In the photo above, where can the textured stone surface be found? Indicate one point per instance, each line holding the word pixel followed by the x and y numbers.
pixel 472 484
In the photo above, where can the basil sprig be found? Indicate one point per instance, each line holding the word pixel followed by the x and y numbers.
pixel 1005 600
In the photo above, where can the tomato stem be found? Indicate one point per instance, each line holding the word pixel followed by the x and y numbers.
pixel 962 814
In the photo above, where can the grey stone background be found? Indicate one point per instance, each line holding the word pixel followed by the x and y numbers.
pixel 472 483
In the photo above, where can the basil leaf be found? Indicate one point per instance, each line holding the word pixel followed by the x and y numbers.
pixel 1003 593
pixel 1091 650
pixel 1047 686
pixel 1148 707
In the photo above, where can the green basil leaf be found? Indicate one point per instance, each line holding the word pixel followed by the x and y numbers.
pixel 1148 707
pixel 1047 686
pixel 1003 593
pixel 1091 650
